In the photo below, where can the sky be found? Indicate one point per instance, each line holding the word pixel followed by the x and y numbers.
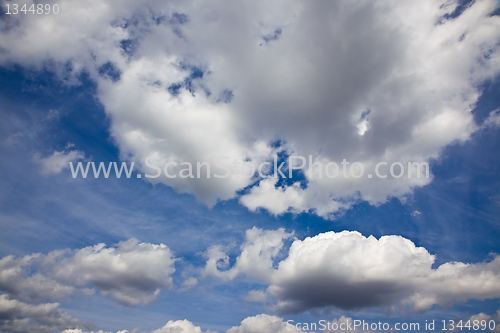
pixel 283 163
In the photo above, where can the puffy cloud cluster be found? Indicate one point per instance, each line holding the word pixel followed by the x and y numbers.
pixel 483 318
pixel 349 271
pixel 131 273
pixel 19 317
pixel 257 254
pixel 178 326
pixel 263 323
pixel 185 81
pixel 19 284
pixel 78 330
pixel 344 270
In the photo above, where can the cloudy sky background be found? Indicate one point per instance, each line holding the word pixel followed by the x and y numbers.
pixel 188 81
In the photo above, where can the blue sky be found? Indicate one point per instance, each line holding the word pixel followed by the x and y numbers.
pixel 187 82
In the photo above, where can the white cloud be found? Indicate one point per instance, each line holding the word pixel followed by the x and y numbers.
pixel 263 323
pixel 349 271
pixel 304 73
pixel 16 280
pixel 275 200
pixel 256 258
pixel 78 330
pixel 58 161
pixel 131 273
pixel 493 119
pixel 189 284
pixel 480 321
pixel 16 316
pixel 47 318
pixel 256 296
pixel 179 326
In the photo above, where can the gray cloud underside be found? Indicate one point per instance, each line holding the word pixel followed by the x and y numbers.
pixel 131 273
pixel 349 271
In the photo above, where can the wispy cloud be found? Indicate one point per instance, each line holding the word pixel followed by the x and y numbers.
pixel 58 161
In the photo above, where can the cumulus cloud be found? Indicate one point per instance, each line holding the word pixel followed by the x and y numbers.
pixel 276 200
pixel 16 280
pixel 131 273
pixel 58 161
pixel 347 270
pixel 189 82
pixel 78 330
pixel 179 326
pixel 257 254
pixel 263 323
pixel 480 321
pixel 19 317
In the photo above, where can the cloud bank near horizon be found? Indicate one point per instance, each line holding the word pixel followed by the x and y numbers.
pixel 343 270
